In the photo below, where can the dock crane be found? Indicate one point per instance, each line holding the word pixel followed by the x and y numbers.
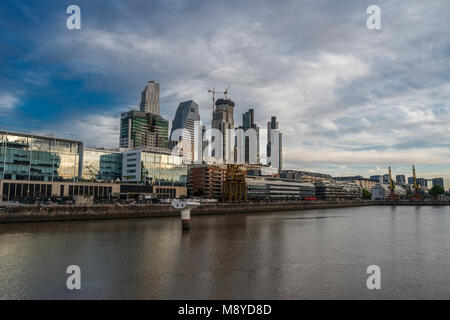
pixel 416 195
pixel 392 195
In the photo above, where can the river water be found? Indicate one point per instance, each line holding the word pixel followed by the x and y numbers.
pixel 313 254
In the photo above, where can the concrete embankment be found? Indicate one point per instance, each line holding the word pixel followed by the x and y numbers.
pixel 33 213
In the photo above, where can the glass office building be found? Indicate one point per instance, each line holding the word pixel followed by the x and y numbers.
pixel 31 157
pixel 101 164
pixel 154 168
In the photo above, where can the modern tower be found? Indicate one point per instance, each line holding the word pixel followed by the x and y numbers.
pixel 143 130
pixel 185 117
pixel 400 179
pixel 150 98
pixel 248 122
pixel 273 132
pixel 223 120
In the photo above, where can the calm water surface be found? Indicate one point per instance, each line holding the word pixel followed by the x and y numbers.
pixel 316 254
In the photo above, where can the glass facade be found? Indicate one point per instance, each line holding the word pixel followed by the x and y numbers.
pixel 29 157
pixel 163 169
pixel 153 168
pixel 103 165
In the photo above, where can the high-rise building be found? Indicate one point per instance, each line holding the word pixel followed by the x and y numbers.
pixel 223 120
pixel 160 128
pixel 422 182
pixel 438 182
pixel 376 178
pixel 248 122
pixel 183 123
pixel 273 134
pixel 400 179
pixel 143 130
pixel 410 180
pixel 386 179
pixel 150 98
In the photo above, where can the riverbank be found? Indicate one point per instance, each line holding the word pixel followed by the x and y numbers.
pixel 34 213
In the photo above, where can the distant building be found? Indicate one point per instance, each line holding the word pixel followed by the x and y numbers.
pixel 438 182
pixel 379 191
pixel 274 143
pixel 302 175
pixel 150 98
pixel 143 130
pixel 364 183
pixel 185 117
pixel 337 190
pixel 377 178
pixel 422 182
pixel 411 180
pixel 386 179
pixel 400 179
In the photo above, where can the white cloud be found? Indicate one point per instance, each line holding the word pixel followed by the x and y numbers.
pixel 8 101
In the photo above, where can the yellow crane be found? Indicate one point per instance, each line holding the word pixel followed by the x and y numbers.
pixel 416 195
pixel 392 195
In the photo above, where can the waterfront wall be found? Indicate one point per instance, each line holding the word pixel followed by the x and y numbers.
pixel 30 213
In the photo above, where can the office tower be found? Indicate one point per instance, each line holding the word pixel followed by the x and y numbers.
pixel 385 179
pixel 400 179
pixel 376 178
pixel 183 124
pixel 422 182
pixel 150 98
pixel 143 130
pixel 248 122
pixel 223 120
pixel 273 132
pixel 439 182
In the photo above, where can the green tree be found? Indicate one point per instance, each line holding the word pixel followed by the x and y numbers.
pixel 436 190
pixel 366 194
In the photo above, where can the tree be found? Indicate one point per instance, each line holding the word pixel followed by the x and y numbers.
pixel 436 190
pixel 366 194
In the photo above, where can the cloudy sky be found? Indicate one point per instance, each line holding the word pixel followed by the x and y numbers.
pixel 349 100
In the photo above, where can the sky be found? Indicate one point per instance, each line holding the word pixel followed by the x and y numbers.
pixel 349 100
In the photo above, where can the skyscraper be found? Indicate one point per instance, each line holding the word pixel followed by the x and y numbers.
pixel 274 134
pixel 150 98
pixel 223 120
pixel 248 122
pixel 143 130
pixel 185 117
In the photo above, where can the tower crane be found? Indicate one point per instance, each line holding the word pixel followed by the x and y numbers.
pixel 416 186
pixel 392 195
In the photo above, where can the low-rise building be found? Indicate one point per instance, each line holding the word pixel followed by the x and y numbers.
pixel 338 190
pixel 206 180
pixel 272 188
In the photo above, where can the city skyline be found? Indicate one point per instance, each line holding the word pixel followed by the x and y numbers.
pixel 354 94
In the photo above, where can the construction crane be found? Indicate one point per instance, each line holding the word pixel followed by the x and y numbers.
pixel 225 93
pixel 416 195
pixel 213 91
pixel 392 195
